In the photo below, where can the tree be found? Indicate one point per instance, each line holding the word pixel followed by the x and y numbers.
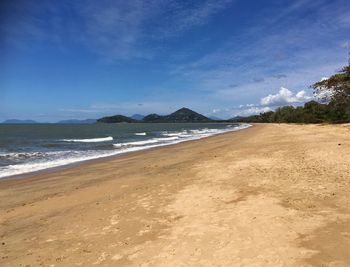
pixel 339 86
pixel 315 112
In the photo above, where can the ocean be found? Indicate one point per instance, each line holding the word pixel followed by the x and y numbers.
pixel 27 148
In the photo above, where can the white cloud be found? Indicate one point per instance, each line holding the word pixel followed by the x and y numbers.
pixel 241 110
pixel 283 97
pixel 253 111
pixel 268 103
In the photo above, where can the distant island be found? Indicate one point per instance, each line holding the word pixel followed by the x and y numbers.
pixel 14 121
pixel 74 121
pixel 137 117
pixel 182 115
pixel 116 119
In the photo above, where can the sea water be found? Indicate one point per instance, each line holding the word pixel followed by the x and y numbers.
pixel 32 147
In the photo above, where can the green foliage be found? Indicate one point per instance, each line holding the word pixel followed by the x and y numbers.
pixel 339 84
pixel 311 112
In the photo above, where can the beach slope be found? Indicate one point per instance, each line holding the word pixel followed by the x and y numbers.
pixel 270 195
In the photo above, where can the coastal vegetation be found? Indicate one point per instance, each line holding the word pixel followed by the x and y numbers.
pixel 333 105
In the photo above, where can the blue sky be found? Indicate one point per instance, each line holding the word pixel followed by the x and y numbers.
pixel 86 59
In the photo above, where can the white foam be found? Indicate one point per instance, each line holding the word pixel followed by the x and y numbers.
pixel 174 134
pixel 90 140
pixel 14 155
pixel 24 155
pixel 167 138
pixel 69 157
pixel 146 142
pixel 41 165
pixel 140 134
pixel 136 143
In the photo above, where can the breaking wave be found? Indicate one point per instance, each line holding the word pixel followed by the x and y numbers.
pixel 90 140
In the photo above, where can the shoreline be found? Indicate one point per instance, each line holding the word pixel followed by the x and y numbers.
pixel 271 195
pixel 29 174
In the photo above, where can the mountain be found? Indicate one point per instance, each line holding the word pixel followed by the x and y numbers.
pixel 87 121
pixel 186 115
pixel 152 118
pixel 215 118
pixel 237 119
pixel 137 117
pixel 181 115
pixel 14 121
pixel 116 119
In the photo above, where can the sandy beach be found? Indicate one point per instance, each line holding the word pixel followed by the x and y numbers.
pixel 270 195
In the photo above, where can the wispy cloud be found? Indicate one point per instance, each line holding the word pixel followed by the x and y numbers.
pixel 159 106
pixel 346 45
pixel 258 79
pixel 182 16
pixel 126 108
pixel 252 111
pixel 249 59
pixel 279 76
pixel 128 29
pixel 112 29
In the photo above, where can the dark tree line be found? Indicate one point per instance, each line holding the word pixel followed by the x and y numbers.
pixel 334 107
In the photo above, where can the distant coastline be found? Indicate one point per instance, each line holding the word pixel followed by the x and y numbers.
pixel 73 121
pixel 183 115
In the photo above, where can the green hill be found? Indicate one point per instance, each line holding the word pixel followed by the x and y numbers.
pixel 152 118
pixel 116 119
pixel 181 115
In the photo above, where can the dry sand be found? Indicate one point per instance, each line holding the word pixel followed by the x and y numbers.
pixel 271 195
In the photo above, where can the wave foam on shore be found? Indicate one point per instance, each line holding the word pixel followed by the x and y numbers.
pixel 62 158
pixel 90 140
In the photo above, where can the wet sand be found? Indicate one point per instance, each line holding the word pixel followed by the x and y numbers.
pixel 270 195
